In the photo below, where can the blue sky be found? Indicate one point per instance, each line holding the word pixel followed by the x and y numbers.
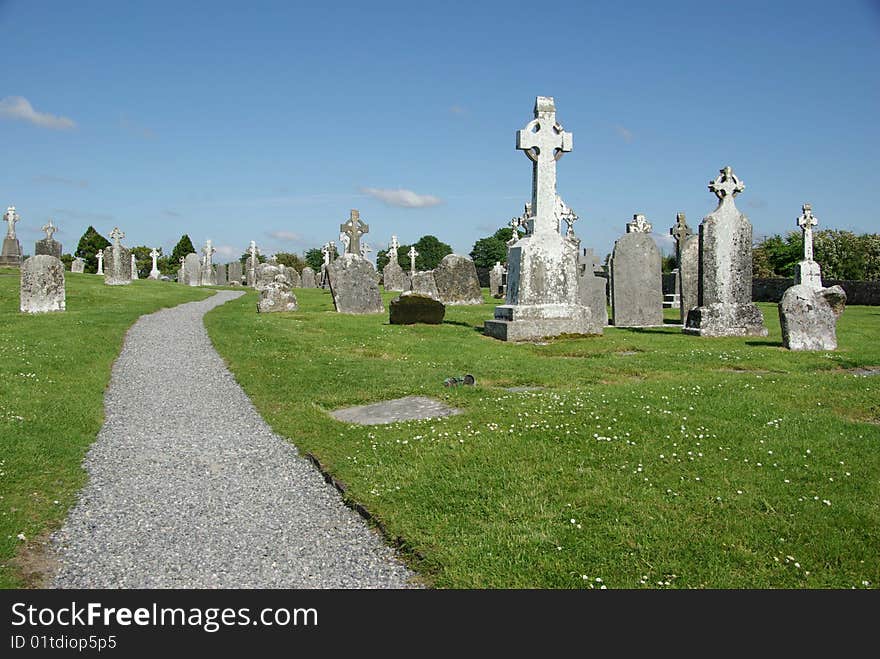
pixel 268 121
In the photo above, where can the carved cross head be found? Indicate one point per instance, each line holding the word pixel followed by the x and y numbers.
pixel 681 230
pixel 807 221
pixel 544 138
pixel 639 224
pixel 726 186
pixel 49 228
pixel 116 235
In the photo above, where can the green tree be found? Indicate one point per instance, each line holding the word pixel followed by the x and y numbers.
pixel 841 254
pixel 314 258
pixel 183 247
pixel 491 249
pixel 289 260
pixel 143 260
pixel 67 259
pixel 244 257
pixel 431 251
pixel 668 263
pixel 87 248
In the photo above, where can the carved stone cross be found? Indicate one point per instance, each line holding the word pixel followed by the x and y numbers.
pixel 100 257
pixel 116 235
pixel 806 222
pixel 525 221
pixel 354 228
pixel 11 217
pixel 49 228
pixel 154 253
pixel 365 249
pixel 392 249
pixel 326 250
pixel 680 231
pixel 208 250
pixel 412 259
pixel 565 214
pixel 544 141
pixel 726 186
pixel 639 224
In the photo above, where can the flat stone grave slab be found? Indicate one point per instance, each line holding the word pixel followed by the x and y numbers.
pixel 518 390
pixel 409 408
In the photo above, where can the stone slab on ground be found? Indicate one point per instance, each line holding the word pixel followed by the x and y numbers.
pixel 409 408
pixel 410 308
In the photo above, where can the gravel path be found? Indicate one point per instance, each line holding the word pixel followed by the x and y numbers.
pixel 189 488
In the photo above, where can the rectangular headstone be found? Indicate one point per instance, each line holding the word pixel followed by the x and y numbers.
pixel 42 285
pixel 636 280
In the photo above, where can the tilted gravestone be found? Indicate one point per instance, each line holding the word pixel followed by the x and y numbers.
pixel 687 252
pixel 308 278
pixel 457 281
pixel 48 245
pixel 636 279
pixel 410 308
pixel 422 282
pixel 353 285
pixel 42 285
pixel 542 296
pixel 10 255
pixel 808 312
pixel 78 265
pixel 192 268
pixel 592 288
pixel 724 297
pixel 117 261
pixel 277 296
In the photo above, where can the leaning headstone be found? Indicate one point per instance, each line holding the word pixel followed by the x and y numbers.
pixel 636 277
pixel 10 256
pixel 808 312
pixel 593 288
pixel 410 308
pixel 134 270
pixel 42 284
pixel 422 282
pixel 277 296
pixel 192 267
pixel 293 277
pixel 353 285
pixel 233 272
pixel 496 280
pixel 308 278
pixel 117 266
pixel 542 284
pixel 687 252
pixel 457 281
pixel 808 317
pixel 394 278
pixel 78 265
pixel 48 245
pixel 220 271
pixel 724 297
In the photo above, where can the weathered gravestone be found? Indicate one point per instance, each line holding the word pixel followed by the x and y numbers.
pixel 134 270
pixel 353 280
pixel 48 245
pixel 192 269
pixel 293 276
pixel 207 275
pixel 233 272
pixel 422 282
pixel 220 270
pixel 457 281
pixel 636 279
pixel 687 253
pixel 10 255
pixel 542 283
pixel 117 268
pixel 78 265
pixel 42 285
pixel 277 296
pixel 265 275
pixel 250 269
pixel 308 278
pixel 808 312
pixel 410 308
pixel 100 256
pixel 496 280
pixel 724 296
pixel 593 288
pixel 393 276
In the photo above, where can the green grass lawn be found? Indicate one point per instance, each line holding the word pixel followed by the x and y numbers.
pixel 649 459
pixel 53 372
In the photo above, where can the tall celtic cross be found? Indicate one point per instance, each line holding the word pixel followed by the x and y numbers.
pixel 209 251
pixel 412 259
pixel 806 222
pixel 326 250
pixel 544 141
pixel 116 235
pixel 49 228
pixel 154 253
pixel 392 249
pixel 680 233
pixel 11 217
pixel 354 228
pixel 726 186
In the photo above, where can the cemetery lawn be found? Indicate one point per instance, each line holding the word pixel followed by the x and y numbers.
pixel 53 372
pixel 649 459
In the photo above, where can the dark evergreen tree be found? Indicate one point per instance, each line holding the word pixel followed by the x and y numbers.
pixel 87 248
pixel 314 259
pixel 183 247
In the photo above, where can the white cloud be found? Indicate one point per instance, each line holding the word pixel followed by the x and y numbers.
pixel 287 236
pixel 228 250
pixel 625 133
pixel 403 197
pixel 18 107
